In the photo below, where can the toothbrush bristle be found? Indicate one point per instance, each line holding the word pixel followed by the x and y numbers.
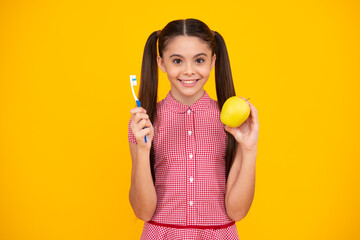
pixel 133 80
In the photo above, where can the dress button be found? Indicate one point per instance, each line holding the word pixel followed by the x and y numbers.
pixel 189 132
pixel 191 203
pixel 188 111
pixel 190 156
pixel 191 179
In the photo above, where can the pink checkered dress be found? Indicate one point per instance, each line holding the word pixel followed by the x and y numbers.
pixel 189 144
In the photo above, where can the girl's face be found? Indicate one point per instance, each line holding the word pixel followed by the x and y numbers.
pixel 188 63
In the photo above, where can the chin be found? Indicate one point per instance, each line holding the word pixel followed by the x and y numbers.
pixel 190 92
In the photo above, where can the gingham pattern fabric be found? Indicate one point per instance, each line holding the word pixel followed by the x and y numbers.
pixel 189 144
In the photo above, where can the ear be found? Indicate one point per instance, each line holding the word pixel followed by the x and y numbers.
pixel 161 64
pixel 213 59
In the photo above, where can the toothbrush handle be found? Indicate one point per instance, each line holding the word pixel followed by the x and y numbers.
pixel 138 103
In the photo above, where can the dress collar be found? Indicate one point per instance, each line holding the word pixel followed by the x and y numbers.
pixel 202 104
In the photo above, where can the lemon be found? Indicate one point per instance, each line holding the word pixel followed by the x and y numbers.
pixel 234 112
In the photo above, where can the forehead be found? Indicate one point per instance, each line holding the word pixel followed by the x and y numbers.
pixel 186 45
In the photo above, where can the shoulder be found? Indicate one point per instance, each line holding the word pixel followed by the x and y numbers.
pixel 161 106
pixel 161 110
pixel 212 111
pixel 213 105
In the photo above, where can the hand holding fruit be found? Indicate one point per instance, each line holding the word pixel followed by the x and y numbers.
pixel 241 120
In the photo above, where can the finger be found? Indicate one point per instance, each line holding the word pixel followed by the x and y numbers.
pixel 141 134
pixel 143 123
pixel 243 98
pixel 250 104
pixel 229 129
pixel 254 116
pixel 253 111
pixel 139 116
pixel 136 120
pixel 237 135
pixel 148 131
pixel 133 111
pixel 247 100
pixel 148 123
pixel 139 126
pixel 141 109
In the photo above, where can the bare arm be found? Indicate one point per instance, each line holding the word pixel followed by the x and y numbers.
pixel 240 187
pixel 142 193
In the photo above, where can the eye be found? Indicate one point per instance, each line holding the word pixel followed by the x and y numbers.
pixel 176 61
pixel 200 60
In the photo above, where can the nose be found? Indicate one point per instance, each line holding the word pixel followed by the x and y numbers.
pixel 189 69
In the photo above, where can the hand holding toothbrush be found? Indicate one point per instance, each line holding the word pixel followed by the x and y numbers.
pixel 141 127
pixel 133 83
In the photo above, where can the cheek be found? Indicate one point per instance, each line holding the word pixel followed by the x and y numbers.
pixel 205 71
pixel 173 72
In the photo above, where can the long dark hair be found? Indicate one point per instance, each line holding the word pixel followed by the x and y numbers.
pixel 149 72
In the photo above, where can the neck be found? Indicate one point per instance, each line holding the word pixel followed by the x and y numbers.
pixel 187 100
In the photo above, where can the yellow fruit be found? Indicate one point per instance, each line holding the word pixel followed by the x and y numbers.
pixel 234 111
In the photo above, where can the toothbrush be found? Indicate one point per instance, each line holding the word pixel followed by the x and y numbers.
pixel 138 103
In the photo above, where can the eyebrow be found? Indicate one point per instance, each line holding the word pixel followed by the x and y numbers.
pixel 178 55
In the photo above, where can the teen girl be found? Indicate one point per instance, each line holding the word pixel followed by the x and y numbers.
pixel 194 177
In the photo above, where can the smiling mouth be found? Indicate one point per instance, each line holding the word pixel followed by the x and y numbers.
pixel 189 81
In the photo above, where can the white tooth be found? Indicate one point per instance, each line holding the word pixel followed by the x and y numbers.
pixel 189 82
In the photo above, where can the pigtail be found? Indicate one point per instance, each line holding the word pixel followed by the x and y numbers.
pixel 149 86
pixel 224 90
pixel 223 76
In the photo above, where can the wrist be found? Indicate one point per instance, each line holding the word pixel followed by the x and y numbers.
pixel 143 150
pixel 247 150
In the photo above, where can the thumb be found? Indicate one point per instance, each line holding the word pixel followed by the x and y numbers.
pixel 229 129
pixel 237 134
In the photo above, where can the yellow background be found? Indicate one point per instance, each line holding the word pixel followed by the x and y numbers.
pixel 65 99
